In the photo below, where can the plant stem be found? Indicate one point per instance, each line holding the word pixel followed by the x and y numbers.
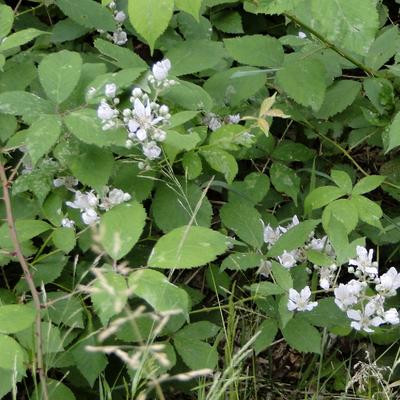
pixel 28 277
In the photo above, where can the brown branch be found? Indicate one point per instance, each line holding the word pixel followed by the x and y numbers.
pixel 28 277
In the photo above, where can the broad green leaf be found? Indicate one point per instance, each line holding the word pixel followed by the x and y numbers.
pixel 88 13
pixel 176 142
pixel 268 330
pixel 241 261
pixel 282 276
pixel 17 76
pixel 66 309
pixel 304 80
pixel 235 85
pixel 368 211
pixel 338 97
pixel 245 221
pixel 110 294
pixel 64 239
pixel 26 229
pixel 256 50
pixel 291 151
pixel 321 196
pixel 42 136
pixel 59 73
pixel 192 29
pixel 192 7
pixel 342 180
pixel 67 29
pixel 391 135
pixel 190 56
pixel 252 189
pixel 86 126
pixel 327 314
pixel 218 280
pixel 19 38
pixel 295 237
pixel 383 48
pixel 192 164
pixel 121 227
pixel 285 180
pixel 380 92
pixel 368 184
pixel 188 247
pixel 154 287
pixel 150 18
pixel 201 330
pixel 181 118
pixel 227 136
pixel 284 314
pixel 16 317
pixel 175 206
pixel 227 21
pixel 120 56
pixel 351 25
pixel 319 258
pixel 56 390
pixel 221 161
pixel 265 289
pixel 344 210
pixel 269 6
pixel 302 336
pixel 24 103
pixel 337 234
pixel 12 355
pixel 6 20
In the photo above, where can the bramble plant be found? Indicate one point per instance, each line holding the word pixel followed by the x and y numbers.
pixel 200 199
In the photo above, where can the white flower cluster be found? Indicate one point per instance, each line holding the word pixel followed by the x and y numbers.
pixel 145 120
pixel 67 181
pixel 118 37
pixel 159 75
pixel 88 203
pixel 214 122
pixel 364 309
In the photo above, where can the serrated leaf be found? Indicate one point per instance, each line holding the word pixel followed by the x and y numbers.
pixel 6 20
pixel 342 180
pixel 121 227
pixel 291 151
pixel 16 317
pixel 228 21
pixel 65 309
pixel 24 103
pixel 201 330
pixel 368 184
pixel 368 211
pixel 253 188
pixel 150 18
pixel 188 247
pixel 241 261
pixel 12 355
pixel 327 314
pixel 344 210
pixel 221 161
pixel 192 164
pixel 322 196
pixel 19 38
pixel 26 229
pixel 196 354
pixel 265 289
pixel 268 330
pixel 304 80
pixel 42 136
pixel 256 50
pixel 285 180
pixel 64 239
pixel 282 276
pixel 56 391
pixel 191 7
pixel 391 136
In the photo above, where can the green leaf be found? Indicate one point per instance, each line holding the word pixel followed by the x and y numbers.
pixel 181 118
pixel 66 30
pixel 391 136
pixel 192 164
pixel 6 20
pixel 154 287
pixel 304 80
pixel 322 196
pixel 241 261
pixel 26 229
pixel 226 136
pixel 319 258
pixel 253 189
pixel 285 180
pixel 268 330
pixel 351 25
pixel 368 211
pixel 150 18
pixel 188 247
pixel 368 184
pixel 65 309
pixel 256 50
pixel 192 7
pixel 121 227
pixel 23 103
pixel 42 136
pixel 19 38
pixel 344 210
pixel 327 314
pixel 269 6
pixel 227 21
pixel 201 330
pixel 109 296
pixel 245 221
pixel 176 143
pixel 120 56
pixel 221 161
pixel 291 151
pixel 16 317
pixel 59 74
pixel 337 234
pixel 192 56
pixel 309 341
pixel 265 289
pixel 343 180
pixel 12 355
pixel 218 280
pixel 282 275
pixel 64 239
pixel 295 237
pixel 56 391
pixel 174 206
pixel 338 97
pixel 88 13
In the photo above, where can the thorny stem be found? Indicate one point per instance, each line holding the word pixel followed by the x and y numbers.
pixel 28 277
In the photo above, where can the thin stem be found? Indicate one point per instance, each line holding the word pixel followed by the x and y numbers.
pixel 28 277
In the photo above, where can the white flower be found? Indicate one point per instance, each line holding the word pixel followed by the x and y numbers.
pixel 287 259
pixel 164 110
pixel 83 201
pixel 318 244
pixel 347 295
pixel 110 90
pixel 89 216
pixel 362 320
pixel 137 92
pixel 58 182
pixel 161 69
pixel 325 276
pixel 300 301
pixel 119 37
pixel 214 124
pixel 234 119
pixel 265 268
pixel 151 150
pixel 67 223
pixel 391 316
pixel 120 17
pixel 389 282
pixel 271 235
pixel 301 35
pixel 105 112
pixel 364 262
